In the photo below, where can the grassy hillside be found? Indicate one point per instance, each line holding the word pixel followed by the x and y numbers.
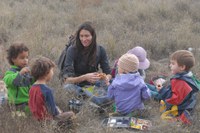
pixel 161 27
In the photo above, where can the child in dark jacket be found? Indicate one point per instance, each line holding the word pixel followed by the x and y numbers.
pixel 179 97
pixel 18 79
pixel 128 89
pixel 41 102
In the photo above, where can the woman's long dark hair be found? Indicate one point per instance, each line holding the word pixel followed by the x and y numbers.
pixel 91 51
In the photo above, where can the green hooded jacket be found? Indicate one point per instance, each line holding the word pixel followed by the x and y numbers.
pixel 18 85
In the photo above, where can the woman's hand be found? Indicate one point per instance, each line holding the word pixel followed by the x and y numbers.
pixel 91 77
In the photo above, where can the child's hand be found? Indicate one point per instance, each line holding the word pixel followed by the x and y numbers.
pixel 73 116
pixel 107 79
pixel 159 86
pixel 25 70
pixel 66 115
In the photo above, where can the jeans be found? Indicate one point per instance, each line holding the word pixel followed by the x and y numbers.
pixel 103 100
pixel 99 100
pixel 74 88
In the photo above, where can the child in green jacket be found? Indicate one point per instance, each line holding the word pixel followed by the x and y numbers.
pixel 17 78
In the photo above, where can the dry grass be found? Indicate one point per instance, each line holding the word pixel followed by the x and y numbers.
pixel 161 27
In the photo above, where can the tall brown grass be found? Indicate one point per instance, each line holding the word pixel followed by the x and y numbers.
pixel 161 27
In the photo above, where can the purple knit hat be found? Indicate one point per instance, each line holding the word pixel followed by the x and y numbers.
pixel 142 56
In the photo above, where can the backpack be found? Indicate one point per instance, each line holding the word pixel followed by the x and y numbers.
pixel 63 55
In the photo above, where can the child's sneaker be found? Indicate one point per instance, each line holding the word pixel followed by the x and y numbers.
pixel 162 106
pixel 186 117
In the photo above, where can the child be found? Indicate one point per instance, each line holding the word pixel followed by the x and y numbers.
pixel 143 61
pixel 128 88
pixel 41 101
pixel 180 96
pixel 17 78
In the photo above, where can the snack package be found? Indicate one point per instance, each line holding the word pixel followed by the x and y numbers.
pixel 140 124
pixel 127 122
pixel 159 80
pixel 102 76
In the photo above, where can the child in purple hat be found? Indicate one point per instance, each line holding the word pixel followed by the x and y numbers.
pixel 143 61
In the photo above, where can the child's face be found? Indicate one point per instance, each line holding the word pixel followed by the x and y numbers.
pixel 21 60
pixel 175 68
pixel 49 75
pixel 120 71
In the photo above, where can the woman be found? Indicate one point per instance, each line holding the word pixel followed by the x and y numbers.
pixel 83 59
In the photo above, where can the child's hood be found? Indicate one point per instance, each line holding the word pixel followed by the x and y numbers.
pixel 127 81
pixel 190 78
